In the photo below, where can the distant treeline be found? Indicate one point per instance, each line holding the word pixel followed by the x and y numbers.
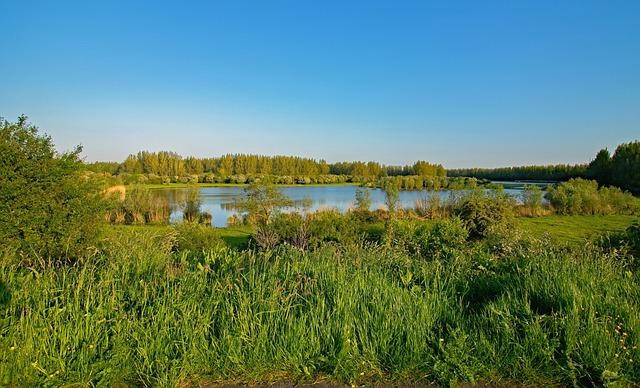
pixel 621 170
pixel 559 172
pixel 170 164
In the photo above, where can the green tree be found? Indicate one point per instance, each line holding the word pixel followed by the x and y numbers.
pixel 625 167
pixel 600 168
pixel 49 210
pixel 261 201
pixel 363 199
pixel 391 190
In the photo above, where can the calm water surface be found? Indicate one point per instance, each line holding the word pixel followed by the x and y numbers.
pixel 216 200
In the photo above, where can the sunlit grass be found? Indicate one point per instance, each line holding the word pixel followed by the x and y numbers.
pixel 141 315
pixel 574 229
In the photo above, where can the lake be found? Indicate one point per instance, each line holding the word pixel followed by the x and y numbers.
pixel 216 200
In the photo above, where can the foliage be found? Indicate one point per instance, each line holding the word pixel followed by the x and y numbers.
pixel 620 170
pixel 580 196
pixel 311 230
pixel 261 201
pixel 600 168
pixel 435 240
pixel 391 194
pixel 195 238
pixel 482 209
pixel 49 211
pixel 559 172
pixel 363 199
pixel 625 167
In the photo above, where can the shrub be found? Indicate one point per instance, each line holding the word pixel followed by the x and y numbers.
pixel 443 240
pixel 48 209
pixel 581 196
pixel 480 210
pixel 429 240
pixel 311 230
pixel 363 199
pixel 196 238
pixel 532 198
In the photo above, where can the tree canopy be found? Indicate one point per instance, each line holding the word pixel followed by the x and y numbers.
pixel 48 209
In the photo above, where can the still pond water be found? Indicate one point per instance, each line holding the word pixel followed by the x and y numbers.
pixel 217 200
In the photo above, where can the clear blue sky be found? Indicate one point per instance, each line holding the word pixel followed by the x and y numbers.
pixel 468 83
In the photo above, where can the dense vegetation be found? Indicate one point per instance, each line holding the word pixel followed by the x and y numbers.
pixel 48 209
pixel 451 291
pixel 154 309
pixel 167 167
pixel 559 172
pixel 620 170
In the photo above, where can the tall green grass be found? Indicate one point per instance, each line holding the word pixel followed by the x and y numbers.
pixel 138 314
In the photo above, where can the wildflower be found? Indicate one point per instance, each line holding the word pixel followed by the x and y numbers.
pixel 91 346
pixel 12 348
pixel 616 355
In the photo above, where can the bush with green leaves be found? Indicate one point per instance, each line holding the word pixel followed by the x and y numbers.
pixel 49 210
pixel 196 238
pixel 444 239
pixel 581 196
pixel 436 240
pixel 481 209
pixel 312 230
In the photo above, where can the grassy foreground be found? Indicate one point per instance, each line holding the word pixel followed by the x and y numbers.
pixel 138 314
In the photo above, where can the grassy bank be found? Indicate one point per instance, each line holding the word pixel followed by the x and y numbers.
pixel 574 229
pixel 138 314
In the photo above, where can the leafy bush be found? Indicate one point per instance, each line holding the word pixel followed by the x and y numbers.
pixel 429 240
pixel 580 196
pixel 196 238
pixel 311 230
pixel 48 209
pixel 444 239
pixel 482 209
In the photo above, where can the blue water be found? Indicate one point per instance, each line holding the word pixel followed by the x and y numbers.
pixel 215 200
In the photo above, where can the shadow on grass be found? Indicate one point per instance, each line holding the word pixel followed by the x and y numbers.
pixel 235 238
